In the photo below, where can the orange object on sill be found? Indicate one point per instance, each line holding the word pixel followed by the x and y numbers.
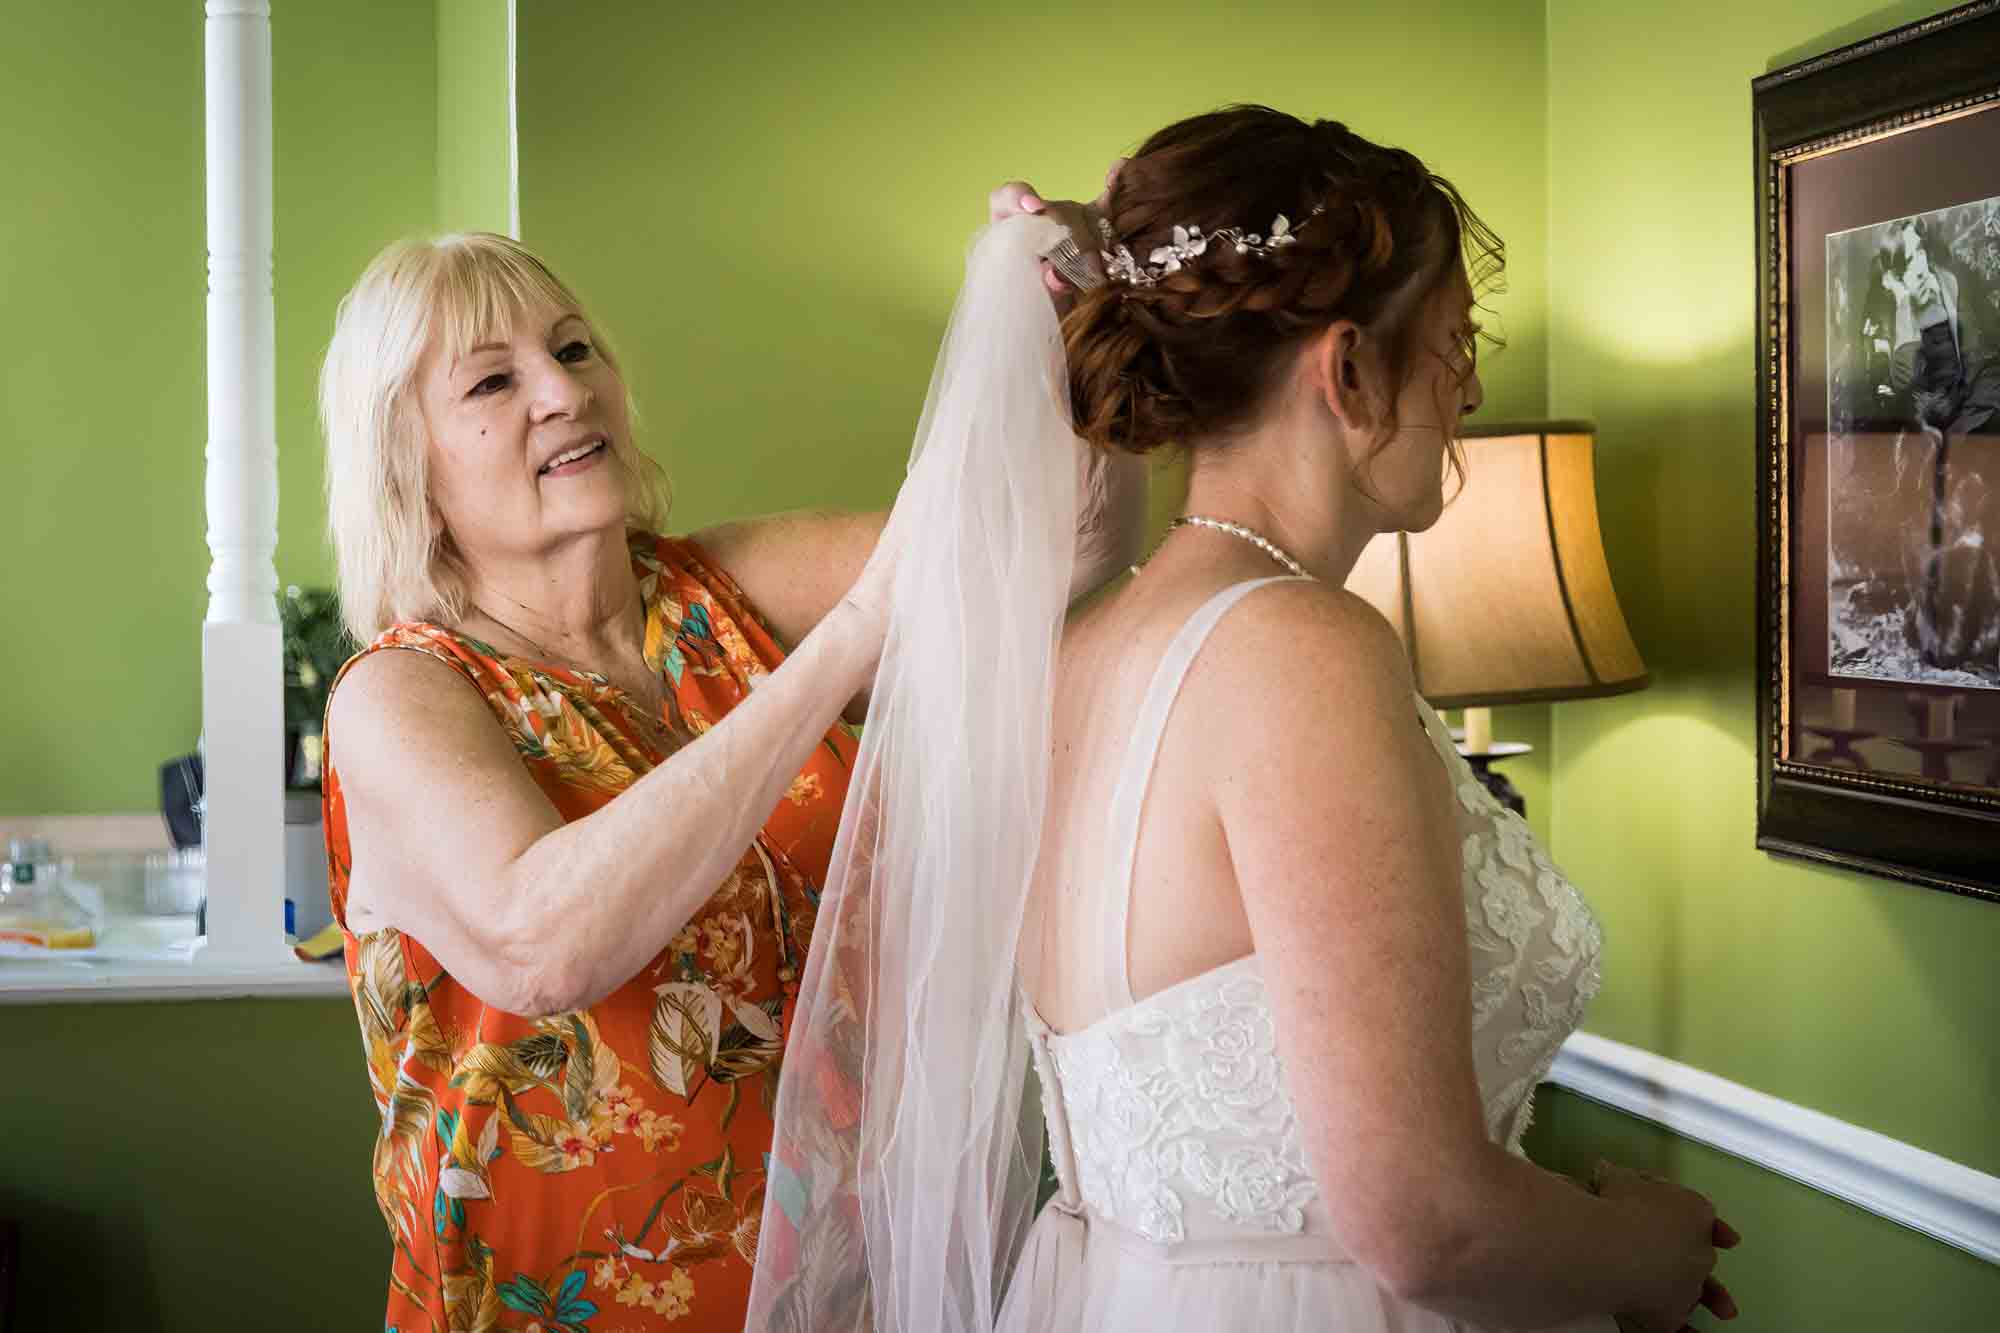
pixel 48 936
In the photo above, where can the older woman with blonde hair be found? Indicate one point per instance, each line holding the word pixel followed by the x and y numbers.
pixel 575 896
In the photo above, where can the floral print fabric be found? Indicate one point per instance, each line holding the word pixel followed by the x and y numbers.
pixel 601 1170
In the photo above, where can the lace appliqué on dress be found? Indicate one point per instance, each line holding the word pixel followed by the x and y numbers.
pixel 1512 891
pixel 1208 1118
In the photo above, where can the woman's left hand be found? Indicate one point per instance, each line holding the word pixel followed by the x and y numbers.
pixel 1017 197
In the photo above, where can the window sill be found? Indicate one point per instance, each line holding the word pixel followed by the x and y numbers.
pixel 98 981
pixel 144 965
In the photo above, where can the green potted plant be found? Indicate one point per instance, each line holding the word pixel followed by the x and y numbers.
pixel 315 646
pixel 316 643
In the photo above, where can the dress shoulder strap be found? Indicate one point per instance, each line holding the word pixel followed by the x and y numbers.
pixel 1128 797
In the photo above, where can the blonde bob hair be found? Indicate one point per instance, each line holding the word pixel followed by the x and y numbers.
pixel 396 559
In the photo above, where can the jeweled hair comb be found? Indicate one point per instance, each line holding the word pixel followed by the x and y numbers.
pixel 1190 243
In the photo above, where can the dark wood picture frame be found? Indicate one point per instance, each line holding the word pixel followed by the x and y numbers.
pixel 1849 148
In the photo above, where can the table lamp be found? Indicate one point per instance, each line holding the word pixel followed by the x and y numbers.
pixel 1507 598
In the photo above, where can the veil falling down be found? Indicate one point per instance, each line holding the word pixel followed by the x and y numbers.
pixel 903 1172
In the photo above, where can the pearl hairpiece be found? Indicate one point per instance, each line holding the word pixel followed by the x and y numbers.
pixel 1189 243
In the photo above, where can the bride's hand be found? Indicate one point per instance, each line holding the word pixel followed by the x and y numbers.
pixel 1691 1234
pixel 1016 197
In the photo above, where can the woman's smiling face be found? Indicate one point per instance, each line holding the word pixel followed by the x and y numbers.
pixel 523 431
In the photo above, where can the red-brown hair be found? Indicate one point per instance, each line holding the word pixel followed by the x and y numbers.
pixel 1194 356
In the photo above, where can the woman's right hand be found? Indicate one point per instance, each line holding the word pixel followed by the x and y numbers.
pixel 874 587
pixel 869 595
pixel 1689 1234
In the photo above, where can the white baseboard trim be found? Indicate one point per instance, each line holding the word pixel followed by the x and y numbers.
pixel 1935 1195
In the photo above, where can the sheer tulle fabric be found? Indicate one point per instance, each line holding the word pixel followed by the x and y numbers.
pixel 903 1172
pixel 1076 1276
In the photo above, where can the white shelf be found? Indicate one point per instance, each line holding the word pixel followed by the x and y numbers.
pixel 156 958
pixel 146 958
pixel 56 980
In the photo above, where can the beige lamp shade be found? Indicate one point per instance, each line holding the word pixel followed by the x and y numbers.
pixel 1508 599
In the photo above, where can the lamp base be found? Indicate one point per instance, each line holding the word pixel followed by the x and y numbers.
pixel 1493 779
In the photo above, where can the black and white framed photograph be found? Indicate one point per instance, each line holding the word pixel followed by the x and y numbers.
pixel 1913 441
pixel 1879 436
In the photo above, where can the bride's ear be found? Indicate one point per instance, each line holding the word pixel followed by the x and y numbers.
pixel 1337 367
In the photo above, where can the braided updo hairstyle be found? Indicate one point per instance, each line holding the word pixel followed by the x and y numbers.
pixel 1194 355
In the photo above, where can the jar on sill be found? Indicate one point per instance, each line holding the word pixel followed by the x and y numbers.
pixel 38 912
pixel 176 882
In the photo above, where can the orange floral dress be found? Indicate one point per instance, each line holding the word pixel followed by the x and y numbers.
pixel 599 1171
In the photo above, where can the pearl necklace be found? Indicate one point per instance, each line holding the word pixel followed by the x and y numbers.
pixel 1251 535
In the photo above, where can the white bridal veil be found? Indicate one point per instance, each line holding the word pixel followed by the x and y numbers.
pixel 903 1173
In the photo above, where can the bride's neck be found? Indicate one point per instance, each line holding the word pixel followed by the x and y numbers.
pixel 1290 488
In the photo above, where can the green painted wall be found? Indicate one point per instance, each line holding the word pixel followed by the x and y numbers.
pixel 474 92
pixel 1855 996
pixel 355 123
pixel 101 408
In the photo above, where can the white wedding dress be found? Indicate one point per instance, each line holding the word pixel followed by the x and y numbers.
pixel 1185 1198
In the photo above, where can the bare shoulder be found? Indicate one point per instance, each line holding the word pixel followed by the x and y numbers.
pixel 793 566
pixel 438 801
pixel 1330 793
pixel 1309 715
pixel 395 681
pixel 1296 641
pixel 791 527
pixel 395 701
pixel 790 544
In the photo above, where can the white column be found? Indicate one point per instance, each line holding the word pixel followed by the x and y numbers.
pixel 242 686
